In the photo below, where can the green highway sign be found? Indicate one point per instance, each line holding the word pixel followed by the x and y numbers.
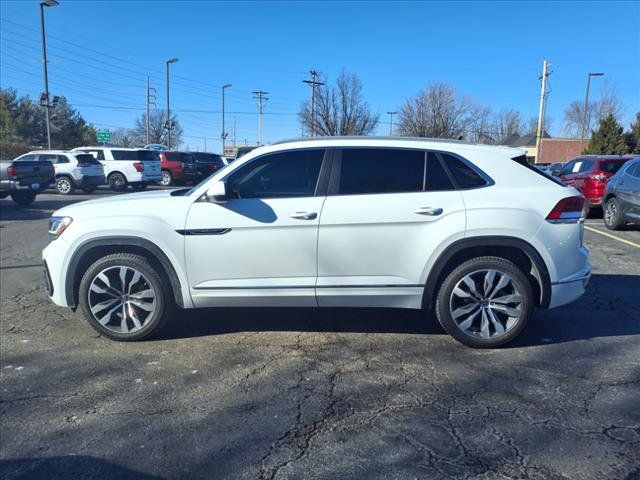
pixel 104 137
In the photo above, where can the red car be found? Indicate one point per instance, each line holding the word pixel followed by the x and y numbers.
pixel 590 174
pixel 177 167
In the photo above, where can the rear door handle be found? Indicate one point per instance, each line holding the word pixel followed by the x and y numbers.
pixel 303 215
pixel 428 211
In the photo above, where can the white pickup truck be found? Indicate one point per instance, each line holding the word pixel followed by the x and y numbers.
pixel 126 166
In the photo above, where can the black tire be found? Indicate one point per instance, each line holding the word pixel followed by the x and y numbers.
pixel 152 280
pixel 612 214
pixel 23 197
pixel 139 187
pixel 64 185
pixel 90 189
pixel 117 182
pixel 474 268
pixel 167 179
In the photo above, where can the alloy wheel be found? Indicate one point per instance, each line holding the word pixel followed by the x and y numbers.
pixel 610 213
pixel 121 299
pixel 166 179
pixel 63 185
pixel 486 304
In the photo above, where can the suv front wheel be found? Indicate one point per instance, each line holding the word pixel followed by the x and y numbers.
pixel 124 297
pixel 485 302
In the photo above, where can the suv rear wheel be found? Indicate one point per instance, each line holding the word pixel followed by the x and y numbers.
pixel 124 297
pixel 485 302
pixel 612 214
pixel 167 178
pixel 23 197
pixel 64 185
pixel 117 182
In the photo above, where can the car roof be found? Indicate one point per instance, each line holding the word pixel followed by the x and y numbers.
pixel 110 148
pixel 606 157
pixel 58 152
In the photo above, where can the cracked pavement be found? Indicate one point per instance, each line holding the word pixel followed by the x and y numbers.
pixel 317 394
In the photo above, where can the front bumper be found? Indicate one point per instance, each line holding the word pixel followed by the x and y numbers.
pixel 570 288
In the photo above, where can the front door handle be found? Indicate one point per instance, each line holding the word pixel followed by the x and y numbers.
pixel 428 211
pixel 303 215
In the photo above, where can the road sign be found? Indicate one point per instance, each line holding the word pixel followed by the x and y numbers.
pixel 104 137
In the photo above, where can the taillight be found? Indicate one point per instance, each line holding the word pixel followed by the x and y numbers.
pixel 12 171
pixel 139 166
pixel 567 210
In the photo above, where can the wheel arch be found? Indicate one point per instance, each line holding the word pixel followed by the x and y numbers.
pixel 519 251
pixel 91 250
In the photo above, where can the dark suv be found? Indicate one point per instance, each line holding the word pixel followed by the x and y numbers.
pixel 622 196
pixel 590 174
pixel 207 163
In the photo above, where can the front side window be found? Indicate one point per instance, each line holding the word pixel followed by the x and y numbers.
pixel 381 170
pixel 278 175
pixel 463 174
pixel 611 166
pixel 97 154
pixel 634 170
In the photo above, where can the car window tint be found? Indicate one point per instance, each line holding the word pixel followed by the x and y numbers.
pixel 285 174
pixel 381 170
pixel 124 155
pixel 634 170
pixel 47 157
pixel 27 158
pixel 464 175
pixel 172 156
pixel 187 158
pixel 62 159
pixel 97 154
pixel 147 156
pixel 611 166
pixel 437 178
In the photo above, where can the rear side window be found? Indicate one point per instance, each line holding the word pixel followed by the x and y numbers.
pixel 172 156
pixel 187 158
pixel 437 178
pixel 87 158
pixel 97 154
pixel 634 170
pixel 124 155
pixel 522 160
pixel 63 159
pixel 464 175
pixel 611 166
pixel 378 170
pixel 48 157
pixel 27 158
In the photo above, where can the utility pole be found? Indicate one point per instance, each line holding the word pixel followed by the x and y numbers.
pixel 260 96
pixel 46 3
pixel 224 134
pixel 585 116
pixel 391 114
pixel 313 82
pixel 149 102
pixel 234 130
pixel 543 95
pixel 205 144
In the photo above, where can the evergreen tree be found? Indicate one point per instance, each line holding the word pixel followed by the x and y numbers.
pixel 632 137
pixel 608 139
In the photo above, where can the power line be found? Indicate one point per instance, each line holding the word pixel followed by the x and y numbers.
pixel 313 83
pixel 260 96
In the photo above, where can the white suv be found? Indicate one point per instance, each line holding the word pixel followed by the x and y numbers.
pixel 73 169
pixel 126 166
pixel 471 232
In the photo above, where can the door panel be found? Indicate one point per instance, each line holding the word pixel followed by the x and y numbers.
pixel 260 246
pixel 379 227
pixel 372 249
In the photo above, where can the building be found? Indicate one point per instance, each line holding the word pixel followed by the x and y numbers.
pixel 552 149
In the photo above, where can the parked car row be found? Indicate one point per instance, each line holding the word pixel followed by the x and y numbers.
pixel 610 182
pixel 86 168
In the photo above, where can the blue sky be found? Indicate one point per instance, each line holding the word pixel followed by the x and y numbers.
pixel 101 52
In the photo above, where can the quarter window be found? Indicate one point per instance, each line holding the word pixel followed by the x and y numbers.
pixel 124 155
pixel 437 178
pixel 379 170
pixel 464 175
pixel 279 175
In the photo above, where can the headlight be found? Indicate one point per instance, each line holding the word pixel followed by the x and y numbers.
pixel 57 225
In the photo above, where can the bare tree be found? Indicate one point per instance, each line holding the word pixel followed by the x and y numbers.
pixel 506 123
pixel 439 112
pixel 608 103
pixel 124 137
pixel 157 129
pixel 340 109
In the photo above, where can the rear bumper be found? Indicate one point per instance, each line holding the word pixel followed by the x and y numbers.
pixel 570 288
pixel 91 181
pixel 15 185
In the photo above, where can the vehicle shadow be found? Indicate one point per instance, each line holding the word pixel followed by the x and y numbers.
pixel 591 316
pixel 77 466
pixel 44 205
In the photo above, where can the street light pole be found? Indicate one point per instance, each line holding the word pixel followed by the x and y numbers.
pixel 391 114
pixel 173 60
pixel 46 3
pixel 224 132
pixel 586 107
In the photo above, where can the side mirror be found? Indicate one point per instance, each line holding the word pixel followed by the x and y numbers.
pixel 217 192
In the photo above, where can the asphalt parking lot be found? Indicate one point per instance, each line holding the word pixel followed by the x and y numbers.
pixel 302 393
